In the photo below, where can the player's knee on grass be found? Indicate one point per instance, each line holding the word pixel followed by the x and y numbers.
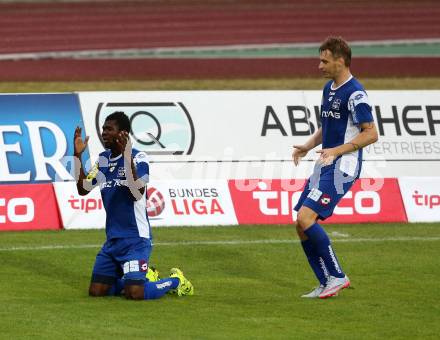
pixel 98 289
pixel 134 290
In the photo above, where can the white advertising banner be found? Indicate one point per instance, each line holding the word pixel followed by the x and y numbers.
pixel 249 134
pixel 79 212
pixel 190 203
pixel 170 203
pixel 421 197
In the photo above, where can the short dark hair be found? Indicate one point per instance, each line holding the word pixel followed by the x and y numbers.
pixel 121 119
pixel 338 47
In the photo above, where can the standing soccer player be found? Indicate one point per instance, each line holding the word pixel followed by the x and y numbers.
pixel 347 126
pixel 122 174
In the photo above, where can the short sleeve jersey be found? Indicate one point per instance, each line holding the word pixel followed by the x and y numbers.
pixel 126 217
pixel 343 109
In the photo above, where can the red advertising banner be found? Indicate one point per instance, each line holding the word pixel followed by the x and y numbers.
pixel 28 207
pixel 272 201
pixel 371 201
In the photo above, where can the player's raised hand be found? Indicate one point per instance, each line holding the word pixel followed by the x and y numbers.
pixel 79 144
pixel 124 143
pixel 299 151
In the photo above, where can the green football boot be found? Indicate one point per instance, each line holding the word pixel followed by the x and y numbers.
pixel 185 286
pixel 152 274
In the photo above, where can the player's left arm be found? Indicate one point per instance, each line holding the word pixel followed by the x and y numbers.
pixel 367 136
pixel 360 108
pixel 136 175
pixel 134 182
pixel 361 116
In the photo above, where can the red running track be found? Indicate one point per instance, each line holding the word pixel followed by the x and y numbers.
pixel 127 24
pixel 159 69
pixel 41 27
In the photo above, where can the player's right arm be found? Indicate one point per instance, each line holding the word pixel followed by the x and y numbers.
pixel 299 151
pixel 79 147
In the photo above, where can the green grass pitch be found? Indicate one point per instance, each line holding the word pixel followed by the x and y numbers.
pixel 248 281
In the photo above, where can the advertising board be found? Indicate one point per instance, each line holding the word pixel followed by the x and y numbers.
pixel 28 207
pixel 36 137
pixel 421 196
pixel 250 134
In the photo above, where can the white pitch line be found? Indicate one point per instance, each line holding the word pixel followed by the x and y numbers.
pixel 231 242
pixel 52 247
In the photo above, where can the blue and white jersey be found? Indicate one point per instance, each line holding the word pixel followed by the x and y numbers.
pixel 125 216
pixel 343 109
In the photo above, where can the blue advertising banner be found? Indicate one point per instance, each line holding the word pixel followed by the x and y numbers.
pixel 36 137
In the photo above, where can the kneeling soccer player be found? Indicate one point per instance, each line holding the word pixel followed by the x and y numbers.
pixel 122 174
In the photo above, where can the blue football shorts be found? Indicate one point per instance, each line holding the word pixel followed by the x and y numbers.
pixel 122 257
pixel 324 189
